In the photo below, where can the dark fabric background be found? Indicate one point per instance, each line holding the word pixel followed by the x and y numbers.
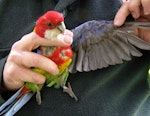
pixel 120 90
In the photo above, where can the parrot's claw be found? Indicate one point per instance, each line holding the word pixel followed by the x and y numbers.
pixel 38 97
pixel 70 91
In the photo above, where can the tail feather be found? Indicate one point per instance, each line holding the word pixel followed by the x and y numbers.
pixel 14 103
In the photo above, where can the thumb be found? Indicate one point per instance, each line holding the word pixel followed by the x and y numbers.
pixel 66 38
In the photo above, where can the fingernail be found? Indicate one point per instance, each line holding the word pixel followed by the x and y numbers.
pixel 117 22
pixel 68 40
pixel 56 71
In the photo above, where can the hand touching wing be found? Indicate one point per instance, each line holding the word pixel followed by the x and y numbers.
pixel 98 44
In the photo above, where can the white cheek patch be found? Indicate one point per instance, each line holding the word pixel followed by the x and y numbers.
pixel 51 34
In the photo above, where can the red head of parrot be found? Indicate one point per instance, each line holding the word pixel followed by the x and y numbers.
pixel 50 21
pixel 49 26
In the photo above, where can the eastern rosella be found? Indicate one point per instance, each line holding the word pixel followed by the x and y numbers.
pixel 96 44
pixel 49 26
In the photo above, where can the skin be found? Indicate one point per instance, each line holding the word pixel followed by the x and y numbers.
pixel 21 59
pixel 140 11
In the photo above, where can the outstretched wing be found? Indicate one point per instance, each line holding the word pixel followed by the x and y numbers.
pixel 98 44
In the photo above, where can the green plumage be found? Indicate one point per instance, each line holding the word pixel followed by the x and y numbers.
pixel 57 81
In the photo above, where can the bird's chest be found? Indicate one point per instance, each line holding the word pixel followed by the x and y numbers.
pixel 57 54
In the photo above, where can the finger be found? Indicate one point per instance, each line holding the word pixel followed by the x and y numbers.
pixel 146 6
pixel 134 8
pixel 31 76
pixel 68 37
pixel 21 75
pixel 121 15
pixel 32 41
pixel 30 59
pixel 65 39
pixel 144 34
pixel 68 32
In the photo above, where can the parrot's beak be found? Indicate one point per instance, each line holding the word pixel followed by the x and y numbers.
pixel 61 27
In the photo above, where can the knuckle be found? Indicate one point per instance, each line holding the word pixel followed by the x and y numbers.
pixel 24 37
pixel 36 60
pixel 29 37
pixel 14 55
pixel 16 45
pixel 11 70
pixel 32 37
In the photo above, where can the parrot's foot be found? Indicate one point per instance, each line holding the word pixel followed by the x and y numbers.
pixel 38 97
pixel 70 91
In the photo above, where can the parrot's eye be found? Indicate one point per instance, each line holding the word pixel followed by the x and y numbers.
pixel 50 24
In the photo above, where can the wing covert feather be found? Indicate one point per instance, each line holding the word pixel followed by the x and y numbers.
pixel 98 44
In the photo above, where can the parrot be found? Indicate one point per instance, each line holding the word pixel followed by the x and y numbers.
pixel 49 26
pixel 96 44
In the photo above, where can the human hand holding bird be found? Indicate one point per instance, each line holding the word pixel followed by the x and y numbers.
pixel 96 44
